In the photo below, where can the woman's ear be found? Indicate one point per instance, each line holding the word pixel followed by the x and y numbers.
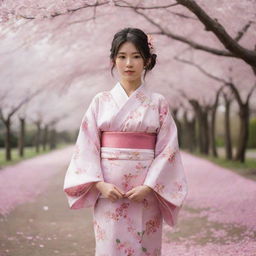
pixel 112 62
pixel 148 62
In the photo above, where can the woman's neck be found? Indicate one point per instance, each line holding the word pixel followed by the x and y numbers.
pixel 130 87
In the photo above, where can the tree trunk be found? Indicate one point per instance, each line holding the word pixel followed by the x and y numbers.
pixel 199 135
pixel 178 124
pixel 199 123
pixel 52 138
pixel 21 139
pixel 38 136
pixel 243 133
pixel 189 133
pixel 205 132
pixel 213 128
pixel 45 137
pixel 7 123
pixel 228 141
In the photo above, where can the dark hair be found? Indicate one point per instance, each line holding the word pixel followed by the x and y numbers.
pixel 139 39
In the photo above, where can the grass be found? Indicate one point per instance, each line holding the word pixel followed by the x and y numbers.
pixel 246 169
pixel 29 152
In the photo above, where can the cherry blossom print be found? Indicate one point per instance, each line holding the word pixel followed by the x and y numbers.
pixel 120 212
pixel 80 170
pixel 113 155
pixel 118 154
pixel 152 225
pixel 135 114
pixel 178 185
pixel 140 166
pixel 137 226
pixel 135 155
pixel 84 125
pixel 125 247
pixel 169 154
pixel 105 96
pixel 77 190
pixel 100 233
pixel 146 101
pixel 131 228
pixel 112 162
pixel 127 180
pixel 141 97
pixel 163 112
pixel 159 188
pixel 153 106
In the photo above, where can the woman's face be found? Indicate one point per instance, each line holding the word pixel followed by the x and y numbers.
pixel 129 58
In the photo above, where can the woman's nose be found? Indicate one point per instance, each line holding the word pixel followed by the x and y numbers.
pixel 128 62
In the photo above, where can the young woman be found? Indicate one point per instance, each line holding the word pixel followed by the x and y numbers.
pixel 127 164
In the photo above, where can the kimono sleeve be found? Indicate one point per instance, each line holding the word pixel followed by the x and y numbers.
pixel 166 173
pixel 85 165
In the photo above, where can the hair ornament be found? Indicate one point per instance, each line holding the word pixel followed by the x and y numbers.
pixel 151 44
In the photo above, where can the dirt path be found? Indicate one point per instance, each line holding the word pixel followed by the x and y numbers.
pixel 44 226
pixel 218 217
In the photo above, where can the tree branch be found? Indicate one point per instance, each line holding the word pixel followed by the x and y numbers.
pixel 214 26
pixel 72 10
pixel 227 83
pixel 25 100
pixel 242 32
pixel 143 7
pixel 163 31
pixel 234 49
pixel 180 15
pixel 202 70
pixel 250 93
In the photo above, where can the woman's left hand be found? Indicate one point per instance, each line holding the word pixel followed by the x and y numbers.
pixel 137 194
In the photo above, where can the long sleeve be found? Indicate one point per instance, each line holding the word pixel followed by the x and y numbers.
pixel 166 173
pixel 85 166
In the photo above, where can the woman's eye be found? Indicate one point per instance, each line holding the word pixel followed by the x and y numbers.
pixel 136 56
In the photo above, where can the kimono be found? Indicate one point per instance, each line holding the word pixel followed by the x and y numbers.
pixel 126 227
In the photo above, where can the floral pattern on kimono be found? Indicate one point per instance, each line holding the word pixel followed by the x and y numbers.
pixel 125 227
pixel 85 168
pixel 166 173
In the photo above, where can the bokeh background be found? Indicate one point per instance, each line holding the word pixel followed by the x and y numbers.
pixel 54 57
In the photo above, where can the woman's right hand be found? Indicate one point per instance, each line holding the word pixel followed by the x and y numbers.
pixel 109 190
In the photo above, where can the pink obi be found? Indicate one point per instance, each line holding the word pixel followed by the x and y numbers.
pixel 143 140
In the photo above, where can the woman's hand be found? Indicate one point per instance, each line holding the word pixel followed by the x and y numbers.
pixel 138 193
pixel 109 190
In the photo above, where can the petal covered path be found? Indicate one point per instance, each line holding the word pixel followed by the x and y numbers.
pixel 218 217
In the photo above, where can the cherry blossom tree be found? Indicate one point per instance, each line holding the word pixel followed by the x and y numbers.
pixel 244 105
pixel 63 47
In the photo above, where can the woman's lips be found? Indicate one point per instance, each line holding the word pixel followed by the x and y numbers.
pixel 129 72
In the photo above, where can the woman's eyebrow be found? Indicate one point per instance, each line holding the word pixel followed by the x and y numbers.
pixel 125 52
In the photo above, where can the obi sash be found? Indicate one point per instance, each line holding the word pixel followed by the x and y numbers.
pixel 136 140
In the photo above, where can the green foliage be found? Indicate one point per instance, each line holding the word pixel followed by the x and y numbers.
pixel 246 169
pixel 219 141
pixel 29 152
pixel 252 133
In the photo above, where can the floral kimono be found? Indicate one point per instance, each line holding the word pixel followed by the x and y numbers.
pixel 125 227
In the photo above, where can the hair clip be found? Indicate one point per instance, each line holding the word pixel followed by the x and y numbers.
pixel 150 44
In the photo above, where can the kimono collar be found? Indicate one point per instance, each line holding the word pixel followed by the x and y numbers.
pixel 120 94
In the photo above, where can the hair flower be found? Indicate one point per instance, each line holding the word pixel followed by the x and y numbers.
pixel 151 44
